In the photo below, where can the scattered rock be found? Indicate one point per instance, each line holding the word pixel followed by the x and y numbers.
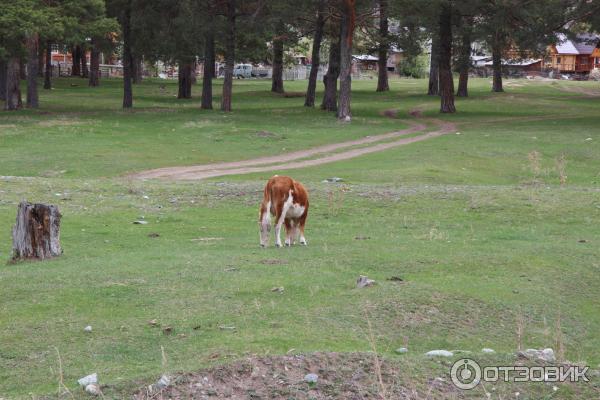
pixel 395 279
pixel 140 222
pixel 153 235
pixel 402 350
pixel 362 238
pixel 533 354
pixel 335 179
pixel 88 380
pixel 231 269
pixel 153 322
pixel 487 350
pixel 88 328
pixel 363 282
pixel 582 241
pixel 588 139
pixel 163 382
pixel 279 289
pixel 439 353
pixel 93 389
pixel 311 378
pixel 167 330
pixel 226 328
pixel 145 197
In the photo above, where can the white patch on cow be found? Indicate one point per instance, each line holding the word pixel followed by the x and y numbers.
pixel 295 211
pixel 267 214
pixel 286 206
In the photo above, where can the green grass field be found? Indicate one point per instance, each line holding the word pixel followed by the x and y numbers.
pixel 478 225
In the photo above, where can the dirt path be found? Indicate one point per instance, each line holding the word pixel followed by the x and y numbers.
pixel 302 158
pixel 585 91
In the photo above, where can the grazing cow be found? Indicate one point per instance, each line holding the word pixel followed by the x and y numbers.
pixel 287 200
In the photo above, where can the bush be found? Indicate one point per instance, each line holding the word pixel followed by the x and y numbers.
pixel 415 67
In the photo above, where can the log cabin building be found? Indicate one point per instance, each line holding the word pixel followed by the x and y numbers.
pixel 575 56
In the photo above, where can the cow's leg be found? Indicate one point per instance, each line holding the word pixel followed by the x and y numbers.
pixel 264 222
pixel 290 229
pixel 301 224
pixel 281 218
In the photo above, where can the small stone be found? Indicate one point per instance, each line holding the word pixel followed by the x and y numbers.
pixel 88 328
pixel 93 389
pixel 311 378
pixel 439 353
pixel 146 197
pixel 363 282
pixel 402 350
pixel 153 235
pixel 278 289
pixel 487 350
pixel 167 330
pixel 153 322
pixel 163 382
pixel 88 380
pixel 544 355
pixel 140 222
pixel 335 179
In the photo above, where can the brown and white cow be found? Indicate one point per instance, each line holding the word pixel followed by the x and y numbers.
pixel 287 200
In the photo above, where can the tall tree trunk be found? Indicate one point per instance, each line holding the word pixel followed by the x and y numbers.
pixel 311 90
pixel 94 66
pixel 446 80
pixel 33 64
pixel 22 70
pixel 382 73
pixel 209 70
pixel 434 71
pixel 331 77
pixel 40 58
pixel 2 79
pixel 76 55
pixel 229 57
pixel 464 59
pixel 185 80
pixel 344 112
pixel 85 72
pixel 127 58
pixel 13 90
pixel 497 66
pixel 48 69
pixel 277 76
pixel 137 69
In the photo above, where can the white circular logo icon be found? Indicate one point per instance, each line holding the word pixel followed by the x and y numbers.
pixel 465 374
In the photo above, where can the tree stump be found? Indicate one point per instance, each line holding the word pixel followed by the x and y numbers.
pixel 36 234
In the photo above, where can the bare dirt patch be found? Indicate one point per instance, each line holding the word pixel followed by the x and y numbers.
pixel 340 376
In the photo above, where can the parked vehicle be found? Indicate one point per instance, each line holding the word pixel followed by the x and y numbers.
pixel 243 71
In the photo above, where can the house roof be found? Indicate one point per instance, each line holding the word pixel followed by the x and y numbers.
pixel 582 44
pixel 364 57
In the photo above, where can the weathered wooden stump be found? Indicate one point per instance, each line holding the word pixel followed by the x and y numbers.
pixel 36 234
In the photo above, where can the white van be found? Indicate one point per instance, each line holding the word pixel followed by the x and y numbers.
pixel 242 71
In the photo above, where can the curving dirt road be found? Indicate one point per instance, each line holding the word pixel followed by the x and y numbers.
pixel 303 158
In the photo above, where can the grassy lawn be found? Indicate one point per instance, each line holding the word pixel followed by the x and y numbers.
pixel 477 224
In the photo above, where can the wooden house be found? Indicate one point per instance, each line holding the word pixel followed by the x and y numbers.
pixel 579 55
